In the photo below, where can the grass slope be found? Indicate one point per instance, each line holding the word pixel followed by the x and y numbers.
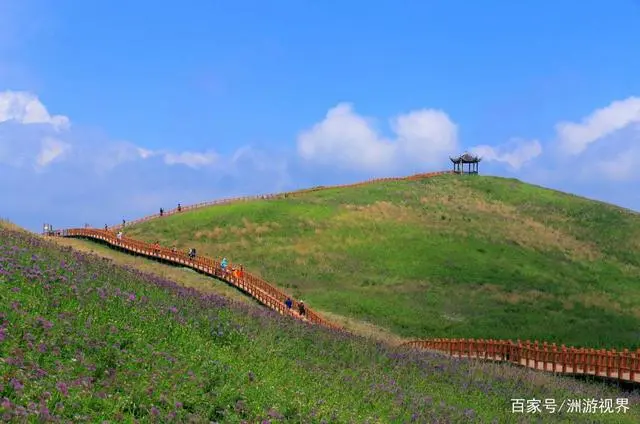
pixel 189 278
pixel 449 256
pixel 83 340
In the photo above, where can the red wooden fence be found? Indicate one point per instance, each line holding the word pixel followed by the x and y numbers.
pixel 278 196
pixel 255 286
pixel 622 365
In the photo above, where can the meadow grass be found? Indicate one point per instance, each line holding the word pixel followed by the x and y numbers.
pixel 84 340
pixel 450 256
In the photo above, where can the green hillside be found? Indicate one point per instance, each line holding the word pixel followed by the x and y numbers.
pixel 85 341
pixel 449 256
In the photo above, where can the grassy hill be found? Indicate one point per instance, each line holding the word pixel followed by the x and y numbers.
pixel 449 256
pixel 83 340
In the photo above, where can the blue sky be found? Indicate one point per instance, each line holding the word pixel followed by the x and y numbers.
pixel 111 109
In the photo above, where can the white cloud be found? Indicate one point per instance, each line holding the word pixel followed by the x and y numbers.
pixel 52 149
pixel 31 140
pixel 191 159
pixel 346 138
pixel 574 138
pixel 427 134
pixel 144 153
pixel 349 140
pixel 25 108
pixel 515 153
pixel 39 147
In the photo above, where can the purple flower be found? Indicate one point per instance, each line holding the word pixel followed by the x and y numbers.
pixel 16 384
pixel 154 411
pixel 63 389
pixel 44 323
pixel 132 297
pixel 6 403
pixel 43 411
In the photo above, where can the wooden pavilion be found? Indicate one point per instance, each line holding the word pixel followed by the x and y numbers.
pixel 466 158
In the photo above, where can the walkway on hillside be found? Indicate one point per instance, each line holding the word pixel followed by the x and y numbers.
pixel 611 364
pixel 256 287
pixel 623 365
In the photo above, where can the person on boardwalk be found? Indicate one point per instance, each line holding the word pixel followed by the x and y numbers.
pixel 288 303
pixel 234 273
pixel 301 309
pixel 156 247
pixel 223 264
pixel 241 272
pixel 174 249
pixel 124 223
pixel 119 235
pixel 161 211
pixel 179 207
pixel 192 253
pixel 106 227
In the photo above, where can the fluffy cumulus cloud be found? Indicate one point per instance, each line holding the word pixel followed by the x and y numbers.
pixel 25 108
pixel 64 174
pixel 31 136
pixel 350 141
pixel 603 145
pixel 574 138
pixel 67 174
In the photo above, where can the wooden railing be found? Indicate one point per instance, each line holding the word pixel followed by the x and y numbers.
pixel 255 286
pixel 622 365
pixel 276 196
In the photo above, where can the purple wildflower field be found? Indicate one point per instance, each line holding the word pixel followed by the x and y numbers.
pixel 84 340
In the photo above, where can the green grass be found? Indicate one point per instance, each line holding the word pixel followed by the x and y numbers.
pixel 83 340
pixel 450 256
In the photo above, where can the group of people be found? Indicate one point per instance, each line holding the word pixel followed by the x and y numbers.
pixel 124 222
pixel 179 209
pixel 301 309
pixel 235 272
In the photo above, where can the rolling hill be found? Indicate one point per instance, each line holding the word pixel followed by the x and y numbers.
pixel 449 256
pixel 84 340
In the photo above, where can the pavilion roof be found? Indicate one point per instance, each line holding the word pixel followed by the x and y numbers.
pixel 466 157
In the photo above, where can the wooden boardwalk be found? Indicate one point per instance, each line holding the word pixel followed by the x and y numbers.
pixel 253 285
pixel 620 365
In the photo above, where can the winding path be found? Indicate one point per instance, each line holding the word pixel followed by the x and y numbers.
pixel 624 365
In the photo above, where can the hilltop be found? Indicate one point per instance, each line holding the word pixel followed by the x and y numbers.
pixel 449 256
pixel 84 340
